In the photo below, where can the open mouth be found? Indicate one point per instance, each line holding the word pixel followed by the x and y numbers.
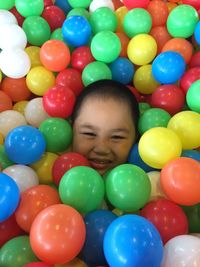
pixel 100 163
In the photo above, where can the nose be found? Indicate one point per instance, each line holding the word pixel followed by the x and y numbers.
pixel 101 147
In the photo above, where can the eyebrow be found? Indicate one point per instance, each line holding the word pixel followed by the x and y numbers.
pixel 91 127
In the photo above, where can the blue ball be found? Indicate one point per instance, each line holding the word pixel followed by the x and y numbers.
pixel 132 241
pixel 168 67
pixel 197 33
pixel 25 144
pixel 135 159
pixel 122 70
pixel 96 223
pixel 194 154
pixel 9 196
pixel 64 5
pixel 76 31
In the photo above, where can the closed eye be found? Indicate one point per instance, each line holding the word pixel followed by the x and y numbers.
pixel 89 134
pixel 118 137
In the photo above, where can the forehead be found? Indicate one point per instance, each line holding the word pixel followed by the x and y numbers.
pixel 109 111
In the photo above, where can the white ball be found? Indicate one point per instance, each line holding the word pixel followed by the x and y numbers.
pixel 14 63
pixel 24 176
pixel 156 190
pixel 9 119
pixel 95 4
pixel 182 251
pixel 35 113
pixel 7 17
pixel 13 36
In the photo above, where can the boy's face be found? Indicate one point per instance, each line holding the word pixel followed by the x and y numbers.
pixel 104 133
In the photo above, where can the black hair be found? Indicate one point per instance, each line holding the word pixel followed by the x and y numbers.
pixel 108 89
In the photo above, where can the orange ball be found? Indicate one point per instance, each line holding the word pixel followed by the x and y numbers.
pixel 55 55
pixel 159 12
pixel 180 179
pixel 16 88
pixel 124 43
pixel 57 234
pixel 181 46
pixel 5 101
pixel 161 35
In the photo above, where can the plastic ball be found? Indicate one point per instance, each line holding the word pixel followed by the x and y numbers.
pixel 103 19
pixel 127 187
pixel 29 8
pixel 142 49
pixel 193 96
pixel 182 20
pixel 156 190
pixel 79 11
pixel 19 17
pixel 144 81
pixel 122 70
pixel 76 31
pixel 77 3
pixel 186 125
pixel 159 145
pixel 190 76
pixel 89 192
pixel 96 71
pixel 179 179
pixel 10 196
pixel 81 57
pixel 65 162
pixel 57 133
pixel 25 144
pixel 55 55
pixel 39 80
pixel 130 4
pixel 64 5
pixel 120 13
pixel 6 17
pixel 159 12
pixel 105 46
pixel 34 55
pixel 131 240
pixel 161 35
pixel 95 4
pixel 191 153
pixel 168 97
pixel 168 67
pixel 59 101
pixel 54 15
pixel 6 102
pixel 7 5
pixel 137 21
pixel 37 30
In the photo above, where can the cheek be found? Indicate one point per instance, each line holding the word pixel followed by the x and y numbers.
pixel 122 151
pixel 80 146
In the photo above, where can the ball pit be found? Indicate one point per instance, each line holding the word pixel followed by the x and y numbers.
pixel 55 210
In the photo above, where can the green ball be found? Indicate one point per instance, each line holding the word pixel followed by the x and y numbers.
pixel 103 19
pixel 82 188
pixel 17 252
pixel 153 117
pixel 137 21
pixel 193 215
pixel 7 4
pixel 105 46
pixel 79 11
pixel 182 20
pixel 4 160
pixel 28 8
pixel 79 3
pixel 143 106
pixel 128 187
pixel 37 30
pixel 57 35
pixel 96 71
pixel 57 133
pixel 193 96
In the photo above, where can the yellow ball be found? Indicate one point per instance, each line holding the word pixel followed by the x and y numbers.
pixel 43 167
pixel 1 140
pixel 159 145
pixel 142 49
pixel 186 124
pixel 74 263
pixel 34 55
pixel 20 106
pixel 120 14
pixel 144 81
pixel 39 80
pixel 0 76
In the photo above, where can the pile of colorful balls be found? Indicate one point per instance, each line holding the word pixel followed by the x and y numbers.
pixel 55 210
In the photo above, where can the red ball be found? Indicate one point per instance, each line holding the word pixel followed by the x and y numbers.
pixel 130 4
pixel 168 218
pixel 194 3
pixel 168 97
pixel 54 15
pixel 59 101
pixel 195 60
pixel 9 229
pixel 135 92
pixel 38 264
pixel 48 3
pixel 70 78
pixel 81 57
pixel 188 78
pixel 65 162
pixel 19 17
